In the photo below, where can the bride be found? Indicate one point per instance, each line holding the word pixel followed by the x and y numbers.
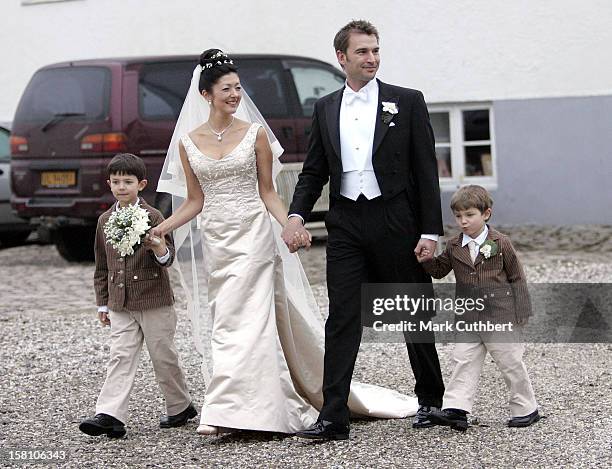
pixel 253 314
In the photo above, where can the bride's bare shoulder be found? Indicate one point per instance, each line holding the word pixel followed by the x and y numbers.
pixel 198 132
pixel 241 125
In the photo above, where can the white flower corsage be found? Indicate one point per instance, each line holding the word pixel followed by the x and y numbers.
pixel 489 248
pixel 389 107
pixel 389 110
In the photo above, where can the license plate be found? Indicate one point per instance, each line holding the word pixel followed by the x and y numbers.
pixel 58 178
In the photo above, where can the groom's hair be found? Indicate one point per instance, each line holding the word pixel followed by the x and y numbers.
pixel 471 197
pixel 127 164
pixel 341 39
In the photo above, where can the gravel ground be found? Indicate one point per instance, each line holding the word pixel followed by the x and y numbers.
pixel 53 353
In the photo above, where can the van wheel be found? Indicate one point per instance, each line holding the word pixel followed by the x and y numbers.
pixel 76 243
pixel 163 203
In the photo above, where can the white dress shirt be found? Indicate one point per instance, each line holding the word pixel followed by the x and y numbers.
pixel 479 239
pixel 357 124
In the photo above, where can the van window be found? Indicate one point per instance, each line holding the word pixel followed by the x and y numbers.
pixel 313 83
pixel 162 88
pixel 5 150
pixel 84 91
pixel 264 81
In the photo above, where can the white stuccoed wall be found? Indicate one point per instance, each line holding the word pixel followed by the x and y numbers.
pixel 453 50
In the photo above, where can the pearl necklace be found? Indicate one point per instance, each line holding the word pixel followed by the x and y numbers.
pixel 220 134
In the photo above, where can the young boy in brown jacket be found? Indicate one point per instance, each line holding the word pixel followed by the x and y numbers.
pixel 485 263
pixel 134 297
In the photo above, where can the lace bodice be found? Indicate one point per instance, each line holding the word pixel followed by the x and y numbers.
pixel 230 183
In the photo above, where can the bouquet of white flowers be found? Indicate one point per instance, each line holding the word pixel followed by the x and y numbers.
pixel 126 227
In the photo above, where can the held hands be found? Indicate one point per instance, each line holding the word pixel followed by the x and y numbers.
pixel 103 317
pixel 295 235
pixel 157 231
pixel 425 250
pixel 154 240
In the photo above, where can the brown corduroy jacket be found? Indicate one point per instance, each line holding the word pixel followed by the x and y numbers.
pixel 499 280
pixel 134 282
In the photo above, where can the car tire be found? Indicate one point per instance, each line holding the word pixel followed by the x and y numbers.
pixel 9 240
pixel 76 243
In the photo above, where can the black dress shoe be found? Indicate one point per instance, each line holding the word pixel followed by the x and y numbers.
pixel 525 420
pixel 325 430
pixel 103 424
pixel 454 418
pixel 421 419
pixel 178 420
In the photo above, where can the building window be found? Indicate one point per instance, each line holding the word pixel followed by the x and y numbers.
pixel 465 146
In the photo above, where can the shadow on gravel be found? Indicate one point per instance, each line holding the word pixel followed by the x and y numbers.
pixel 252 436
pixel 32 240
pixel 244 436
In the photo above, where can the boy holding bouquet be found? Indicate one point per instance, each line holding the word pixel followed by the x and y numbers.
pixel 134 297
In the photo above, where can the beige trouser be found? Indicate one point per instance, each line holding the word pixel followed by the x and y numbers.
pixel 469 358
pixel 128 330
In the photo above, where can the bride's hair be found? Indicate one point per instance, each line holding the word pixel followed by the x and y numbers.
pixel 215 64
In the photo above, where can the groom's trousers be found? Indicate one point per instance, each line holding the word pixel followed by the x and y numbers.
pixel 129 329
pixel 370 241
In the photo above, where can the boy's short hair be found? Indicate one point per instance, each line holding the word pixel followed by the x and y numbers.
pixel 341 39
pixel 126 163
pixel 471 197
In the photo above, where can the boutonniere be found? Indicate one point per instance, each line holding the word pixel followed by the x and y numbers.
pixel 489 248
pixel 389 110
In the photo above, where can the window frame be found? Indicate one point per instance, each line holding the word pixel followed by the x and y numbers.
pixel 458 143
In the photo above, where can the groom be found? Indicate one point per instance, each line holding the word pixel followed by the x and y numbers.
pixel 374 142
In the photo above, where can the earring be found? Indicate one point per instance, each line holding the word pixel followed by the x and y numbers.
pixel 209 102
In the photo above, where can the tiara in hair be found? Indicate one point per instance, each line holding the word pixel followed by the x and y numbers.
pixel 217 60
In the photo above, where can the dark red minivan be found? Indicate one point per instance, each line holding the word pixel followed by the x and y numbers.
pixel 74 116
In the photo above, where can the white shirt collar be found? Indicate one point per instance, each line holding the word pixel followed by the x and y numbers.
pixel 479 239
pixel 135 203
pixel 349 95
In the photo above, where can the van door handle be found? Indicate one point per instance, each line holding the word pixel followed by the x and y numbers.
pixel 287 132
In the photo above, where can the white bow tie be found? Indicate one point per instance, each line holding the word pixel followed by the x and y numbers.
pixel 350 96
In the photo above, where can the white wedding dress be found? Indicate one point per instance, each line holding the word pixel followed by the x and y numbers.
pixel 267 340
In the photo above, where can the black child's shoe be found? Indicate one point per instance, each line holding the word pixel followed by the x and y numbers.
pixel 422 417
pixel 325 430
pixel 178 420
pixel 454 418
pixel 102 424
pixel 525 420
